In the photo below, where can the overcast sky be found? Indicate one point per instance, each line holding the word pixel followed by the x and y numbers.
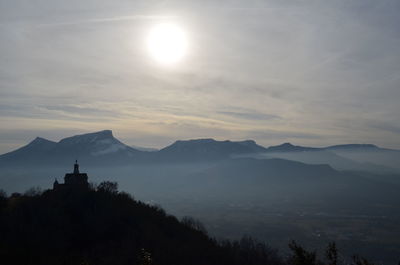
pixel 308 72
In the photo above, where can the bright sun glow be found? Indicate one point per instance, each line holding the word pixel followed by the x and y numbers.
pixel 167 43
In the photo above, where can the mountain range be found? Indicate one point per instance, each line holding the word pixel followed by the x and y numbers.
pixel 103 149
pixel 234 185
pixel 216 168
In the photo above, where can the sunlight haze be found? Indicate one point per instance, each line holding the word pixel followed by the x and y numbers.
pixel 307 72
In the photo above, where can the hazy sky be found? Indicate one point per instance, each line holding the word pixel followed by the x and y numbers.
pixel 305 71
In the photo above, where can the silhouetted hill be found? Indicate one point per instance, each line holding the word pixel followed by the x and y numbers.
pixel 369 153
pixel 284 182
pixel 99 148
pixel 207 149
pixel 104 226
pixel 102 145
pixel 356 157
pixel 103 149
pixel 38 147
pixel 288 147
pixel 353 146
pixel 324 156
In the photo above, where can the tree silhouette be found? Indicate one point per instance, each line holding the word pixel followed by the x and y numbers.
pixel 361 261
pixel 105 227
pixel 301 256
pixel 331 254
pixel 108 186
pixel 145 257
pixel 194 224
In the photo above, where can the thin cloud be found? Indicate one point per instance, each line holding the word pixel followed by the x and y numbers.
pixel 385 127
pixel 109 19
pixel 250 115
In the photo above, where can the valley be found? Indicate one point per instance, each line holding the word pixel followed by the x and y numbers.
pixel 236 188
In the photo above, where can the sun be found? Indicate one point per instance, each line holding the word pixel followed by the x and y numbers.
pixel 167 43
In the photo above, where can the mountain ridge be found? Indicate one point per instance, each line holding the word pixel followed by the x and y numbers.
pixel 284 147
pixel 102 145
pixel 102 148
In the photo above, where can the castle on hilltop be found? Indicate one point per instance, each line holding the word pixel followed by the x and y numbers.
pixel 74 180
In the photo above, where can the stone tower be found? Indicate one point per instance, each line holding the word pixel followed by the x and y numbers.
pixel 74 180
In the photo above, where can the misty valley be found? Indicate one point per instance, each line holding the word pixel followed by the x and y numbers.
pixel 184 132
pixel 348 194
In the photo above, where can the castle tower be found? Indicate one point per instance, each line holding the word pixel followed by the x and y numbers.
pixel 74 180
pixel 55 184
pixel 76 167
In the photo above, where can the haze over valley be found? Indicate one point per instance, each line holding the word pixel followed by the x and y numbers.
pixel 239 187
pixel 184 132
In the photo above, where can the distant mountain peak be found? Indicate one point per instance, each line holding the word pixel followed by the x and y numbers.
pixel 39 140
pixel 201 140
pixel 353 146
pixel 37 146
pixel 247 141
pixel 211 140
pixel 250 143
pixel 208 141
pixel 105 132
pixel 88 137
pixel 288 147
pixel 208 149
pixel 286 144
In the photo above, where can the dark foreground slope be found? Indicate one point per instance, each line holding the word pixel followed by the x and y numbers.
pixel 102 226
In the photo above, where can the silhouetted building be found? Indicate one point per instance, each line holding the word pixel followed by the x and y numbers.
pixel 73 180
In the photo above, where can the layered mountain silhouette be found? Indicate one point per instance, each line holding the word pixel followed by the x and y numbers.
pixel 288 147
pixel 355 157
pixel 277 180
pixel 100 147
pixel 103 226
pixel 206 176
pixel 207 149
pixel 103 149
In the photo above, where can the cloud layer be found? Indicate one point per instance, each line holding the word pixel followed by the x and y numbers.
pixel 309 72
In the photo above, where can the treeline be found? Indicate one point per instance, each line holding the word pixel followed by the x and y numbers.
pixel 102 226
